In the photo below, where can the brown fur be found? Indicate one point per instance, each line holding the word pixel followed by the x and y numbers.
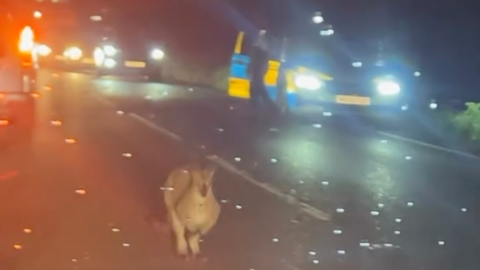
pixel 191 205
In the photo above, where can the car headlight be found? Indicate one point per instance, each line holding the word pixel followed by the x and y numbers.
pixel 388 87
pixel 109 50
pixel 109 63
pixel 308 82
pixel 98 57
pixel 73 53
pixel 43 50
pixel 157 54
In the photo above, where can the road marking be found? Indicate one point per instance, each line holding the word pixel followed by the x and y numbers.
pixel 306 208
pixel 156 127
pixel 102 100
pixel 140 119
pixel 437 147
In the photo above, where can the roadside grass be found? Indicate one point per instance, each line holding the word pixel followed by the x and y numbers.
pixel 458 127
pixel 467 123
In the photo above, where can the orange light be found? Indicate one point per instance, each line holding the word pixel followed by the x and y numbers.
pixel 81 191
pixel 27 38
pixel 2 96
pixel 4 122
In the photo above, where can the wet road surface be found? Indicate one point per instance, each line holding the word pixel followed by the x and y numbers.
pixel 84 194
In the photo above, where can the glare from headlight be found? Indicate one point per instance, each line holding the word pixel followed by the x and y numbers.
pixel 388 88
pixel 157 54
pixel 110 63
pixel 43 50
pixel 96 18
pixel 98 57
pixel 109 50
pixel 37 14
pixel 328 32
pixel 73 53
pixel 308 82
pixel 318 18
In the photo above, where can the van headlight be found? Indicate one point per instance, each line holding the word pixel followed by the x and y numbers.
pixel 157 54
pixel 98 57
pixel 73 53
pixel 109 50
pixel 308 82
pixel 387 87
pixel 43 50
pixel 110 63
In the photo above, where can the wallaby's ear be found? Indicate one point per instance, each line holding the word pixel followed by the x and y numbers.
pixel 209 171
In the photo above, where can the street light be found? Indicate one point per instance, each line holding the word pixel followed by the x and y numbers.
pixel 318 18
pixel 357 64
pixel 95 18
pixel 37 14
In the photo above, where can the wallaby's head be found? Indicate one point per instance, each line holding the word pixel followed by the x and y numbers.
pixel 202 178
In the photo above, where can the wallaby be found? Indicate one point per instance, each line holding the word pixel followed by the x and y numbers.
pixel 191 205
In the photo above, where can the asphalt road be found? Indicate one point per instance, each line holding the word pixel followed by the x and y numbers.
pixel 83 192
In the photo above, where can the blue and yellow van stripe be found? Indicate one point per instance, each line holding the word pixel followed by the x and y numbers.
pixel 239 82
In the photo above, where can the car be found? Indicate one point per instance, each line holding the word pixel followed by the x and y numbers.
pixel 70 49
pixel 66 55
pixel 369 89
pixel 115 56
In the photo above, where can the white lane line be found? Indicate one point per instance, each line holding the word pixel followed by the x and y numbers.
pixel 306 208
pixel 440 148
pixel 103 100
pixel 156 127
pixel 140 119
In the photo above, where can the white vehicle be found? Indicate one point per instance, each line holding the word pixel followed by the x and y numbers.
pixel 11 72
pixel 16 95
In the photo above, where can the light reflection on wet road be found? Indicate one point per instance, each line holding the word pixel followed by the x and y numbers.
pixel 86 195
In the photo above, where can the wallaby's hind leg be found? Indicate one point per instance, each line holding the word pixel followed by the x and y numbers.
pixel 194 242
pixel 179 230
